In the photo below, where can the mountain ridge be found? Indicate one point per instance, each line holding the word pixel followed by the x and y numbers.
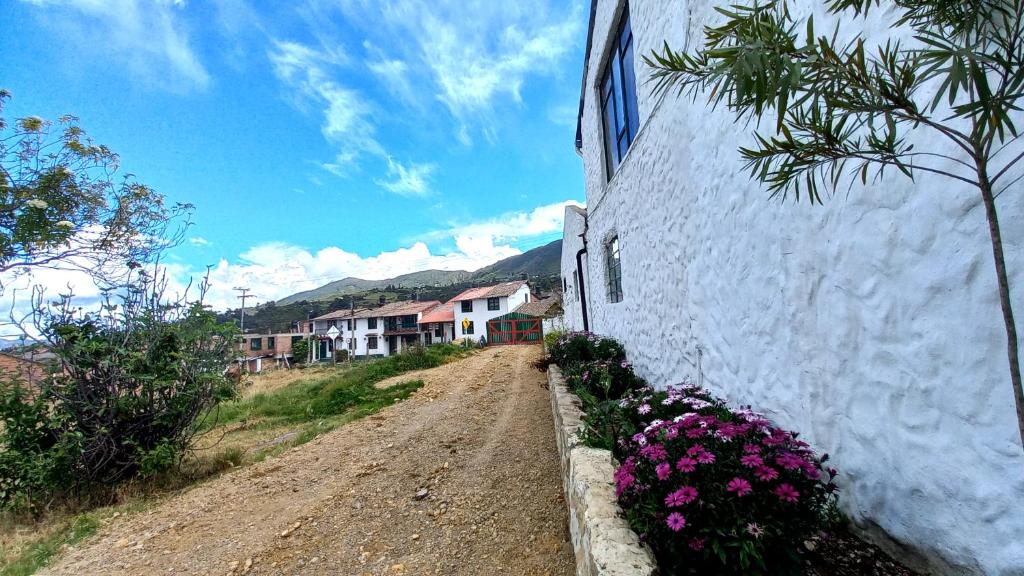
pixel 541 261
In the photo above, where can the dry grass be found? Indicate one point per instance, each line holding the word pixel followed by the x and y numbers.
pixel 277 378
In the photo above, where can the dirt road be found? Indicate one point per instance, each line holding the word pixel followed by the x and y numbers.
pixel 462 478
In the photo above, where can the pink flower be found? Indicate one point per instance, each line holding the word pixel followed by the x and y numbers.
pixel 654 452
pixel 751 448
pixel 676 521
pixel 754 530
pixel 766 474
pixel 671 433
pixel 740 486
pixel 644 409
pixel 789 461
pixel 697 543
pixel 686 464
pixel 684 495
pixel 663 470
pixel 696 432
pixel 752 461
pixel 787 493
pixel 706 458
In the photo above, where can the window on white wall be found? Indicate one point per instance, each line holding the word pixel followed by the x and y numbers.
pixel 613 270
pixel 619 111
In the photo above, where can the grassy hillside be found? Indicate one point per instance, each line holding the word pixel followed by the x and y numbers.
pixel 541 261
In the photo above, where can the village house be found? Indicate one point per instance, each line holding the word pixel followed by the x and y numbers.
pixel 475 306
pixel 260 351
pixel 440 323
pixel 373 332
pixel 869 324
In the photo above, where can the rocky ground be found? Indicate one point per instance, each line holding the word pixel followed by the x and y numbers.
pixel 462 478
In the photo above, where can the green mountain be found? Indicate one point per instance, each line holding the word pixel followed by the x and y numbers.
pixel 347 286
pixel 542 261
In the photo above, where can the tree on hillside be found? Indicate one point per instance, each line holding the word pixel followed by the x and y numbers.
pixel 62 205
pixel 845 110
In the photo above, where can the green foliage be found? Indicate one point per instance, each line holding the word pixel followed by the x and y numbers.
pixel 39 554
pixel 573 348
pixel 551 338
pixel 300 351
pixel 60 205
pixel 351 389
pixel 133 381
pixel 843 106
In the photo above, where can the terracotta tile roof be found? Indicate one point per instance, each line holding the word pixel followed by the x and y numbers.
pixel 398 309
pixel 343 313
pixel 505 289
pixel 537 307
pixel 443 313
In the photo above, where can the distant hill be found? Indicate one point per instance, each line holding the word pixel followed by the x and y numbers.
pixel 541 261
pixel 347 286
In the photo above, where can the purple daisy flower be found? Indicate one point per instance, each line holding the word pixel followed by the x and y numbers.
pixel 676 521
pixel 740 486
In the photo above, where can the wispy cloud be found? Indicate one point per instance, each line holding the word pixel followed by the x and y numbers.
pixel 148 38
pixel 473 55
pixel 411 180
pixel 199 241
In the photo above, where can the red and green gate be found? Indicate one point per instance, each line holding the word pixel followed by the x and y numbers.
pixel 514 328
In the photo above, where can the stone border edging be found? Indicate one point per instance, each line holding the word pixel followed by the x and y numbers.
pixel 604 543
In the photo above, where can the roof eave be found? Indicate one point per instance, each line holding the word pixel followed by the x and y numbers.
pixel 583 83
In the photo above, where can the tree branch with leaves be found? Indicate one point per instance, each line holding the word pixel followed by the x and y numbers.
pixel 845 109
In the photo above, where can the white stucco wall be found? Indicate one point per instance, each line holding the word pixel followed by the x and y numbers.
pixel 571 244
pixel 870 324
pixel 480 314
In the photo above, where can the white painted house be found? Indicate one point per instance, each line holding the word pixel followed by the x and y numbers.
pixel 381 331
pixel 475 306
pixel 870 324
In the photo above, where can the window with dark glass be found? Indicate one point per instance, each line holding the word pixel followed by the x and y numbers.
pixel 613 270
pixel 467 305
pixel 371 323
pixel 469 327
pixel 256 344
pixel 270 342
pixel 371 343
pixel 619 112
pixel 493 304
pixel 296 339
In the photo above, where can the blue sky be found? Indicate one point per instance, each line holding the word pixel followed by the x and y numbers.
pixel 321 138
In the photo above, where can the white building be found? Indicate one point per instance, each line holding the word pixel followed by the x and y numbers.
pixel 870 324
pixel 475 306
pixel 381 331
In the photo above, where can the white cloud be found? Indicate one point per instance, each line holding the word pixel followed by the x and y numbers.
pixel 411 180
pixel 473 53
pixel 278 269
pixel 148 37
pixel 198 241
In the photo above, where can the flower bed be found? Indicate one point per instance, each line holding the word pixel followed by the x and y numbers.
pixel 712 490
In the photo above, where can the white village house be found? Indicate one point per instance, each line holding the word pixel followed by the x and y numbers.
pixel 475 306
pixel 870 324
pixel 381 331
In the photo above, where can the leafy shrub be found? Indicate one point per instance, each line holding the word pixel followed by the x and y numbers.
pixel 300 351
pixel 603 379
pixel 578 347
pixel 133 380
pixel 551 338
pixel 715 491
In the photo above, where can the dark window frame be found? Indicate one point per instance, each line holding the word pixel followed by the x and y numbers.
pixel 270 342
pixel 493 304
pixel 620 116
pixel 613 269
pixel 469 328
pixel 467 306
pixel 371 343
pixel 371 323
pixel 255 344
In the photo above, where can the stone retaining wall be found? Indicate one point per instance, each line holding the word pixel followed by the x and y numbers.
pixel 602 539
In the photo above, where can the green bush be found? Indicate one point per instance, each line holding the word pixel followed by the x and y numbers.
pixel 131 385
pixel 578 347
pixel 552 338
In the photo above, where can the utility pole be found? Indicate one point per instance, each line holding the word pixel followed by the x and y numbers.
pixel 243 297
pixel 352 328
